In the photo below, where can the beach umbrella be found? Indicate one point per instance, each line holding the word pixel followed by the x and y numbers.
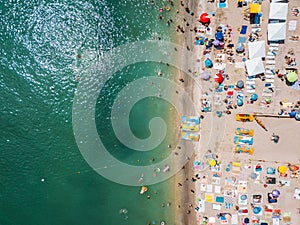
pixel 246 220
pixel 253 176
pixel 208 63
pixel 219 78
pixel 239 102
pixel 212 162
pixel 240 84
pixel 293 168
pixel 240 48
pixel 292 114
pixel 292 76
pixel 205 75
pixel 243 197
pixel 260 123
pixel 256 210
pixel 216 43
pixel 204 18
pixel 268 100
pixel 219 36
pixel 297 116
pixel 275 193
pixel 282 169
pixel 254 97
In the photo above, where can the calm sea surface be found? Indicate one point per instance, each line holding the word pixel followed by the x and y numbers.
pixel 39 44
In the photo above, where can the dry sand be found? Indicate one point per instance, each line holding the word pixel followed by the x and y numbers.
pixel 217 133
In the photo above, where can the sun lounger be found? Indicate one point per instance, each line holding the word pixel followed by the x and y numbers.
pixel 190 119
pixel 250 91
pixel 267 90
pixel 270 72
pixel 269 80
pixel 250 87
pixel 270 57
pixel 270 62
pixel 270 67
pixel 250 82
pixel 274 45
pixel 271 54
pixel 267 94
pixel 271 76
pixel 273 49
pixel 255 30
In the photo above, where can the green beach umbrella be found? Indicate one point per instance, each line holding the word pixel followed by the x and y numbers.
pixel 292 76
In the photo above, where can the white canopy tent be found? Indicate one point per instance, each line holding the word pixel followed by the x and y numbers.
pixel 278 11
pixel 255 66
pixel 276 31
pixel 256 49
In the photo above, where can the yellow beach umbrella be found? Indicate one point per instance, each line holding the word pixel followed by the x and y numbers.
pixel 212 162
pixel 282 169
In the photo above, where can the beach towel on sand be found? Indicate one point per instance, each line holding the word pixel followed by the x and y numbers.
pixel 244 29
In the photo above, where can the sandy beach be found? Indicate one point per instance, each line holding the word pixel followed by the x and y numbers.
pixel 201 187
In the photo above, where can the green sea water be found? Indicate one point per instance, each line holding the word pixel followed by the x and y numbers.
pixel 40 41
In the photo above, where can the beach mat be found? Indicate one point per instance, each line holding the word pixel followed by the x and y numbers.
pixel 242 40
pixel 244 29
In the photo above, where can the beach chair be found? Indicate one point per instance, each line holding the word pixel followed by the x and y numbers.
pixel 274 45
pixel 270 67
pixel 271 54
pixel 250 82
pixel 270 57
pixel 256 30
pixel 267 94
pixel 250 91
pixel 270 62
pixel 269 80
pixel 270 76
pixel 273 49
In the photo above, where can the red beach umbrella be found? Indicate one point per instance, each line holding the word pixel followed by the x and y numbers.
pixel 219 78
pixel 204 18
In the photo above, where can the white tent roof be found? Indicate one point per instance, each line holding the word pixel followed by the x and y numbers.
pixel 255 66
pixel 256 49
pixel 278 11
pixel 276 31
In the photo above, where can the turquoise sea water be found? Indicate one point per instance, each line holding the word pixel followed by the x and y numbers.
pixel 39 43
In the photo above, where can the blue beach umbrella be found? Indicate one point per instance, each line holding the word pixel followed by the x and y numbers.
pixel 208 63
pixel 292 114
pixel 219 36
pixel 256 210
pixel 246 220
pixel 240 102
pixel 254 97
pixel 275 193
